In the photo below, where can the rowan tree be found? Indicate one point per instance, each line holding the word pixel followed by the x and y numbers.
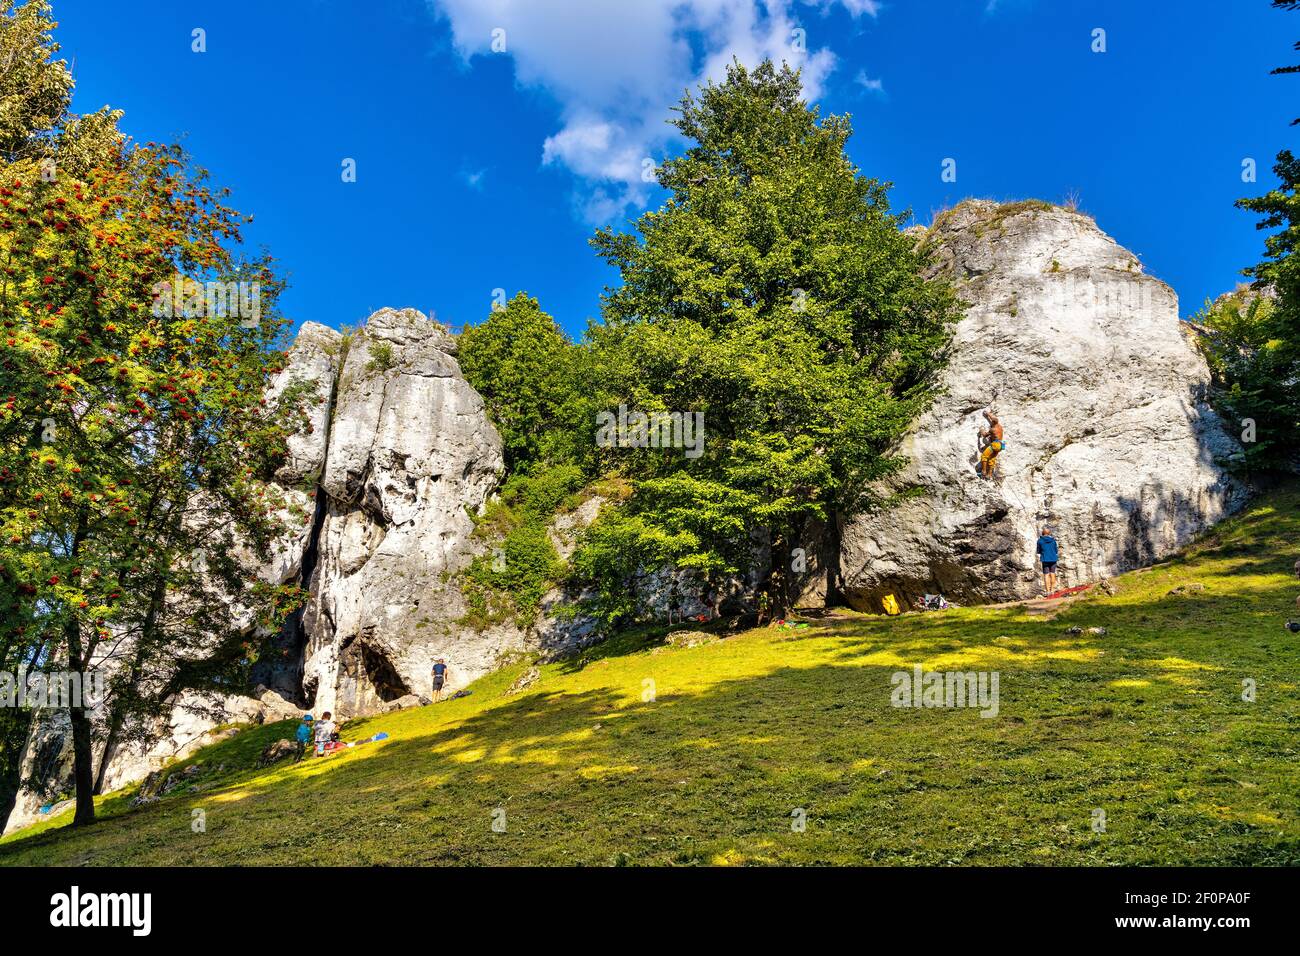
pixel 136 450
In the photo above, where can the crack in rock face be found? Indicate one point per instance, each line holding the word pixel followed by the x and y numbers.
pixel 1102 398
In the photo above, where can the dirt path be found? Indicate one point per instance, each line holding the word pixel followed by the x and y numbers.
pixel 1043 606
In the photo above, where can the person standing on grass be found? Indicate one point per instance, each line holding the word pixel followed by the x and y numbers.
pixel 439 678
pixel 1048 554
pixel 304 736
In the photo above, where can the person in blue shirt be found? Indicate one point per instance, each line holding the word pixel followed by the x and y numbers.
pixel 304 736
pixel 1048 554
pixel 439 678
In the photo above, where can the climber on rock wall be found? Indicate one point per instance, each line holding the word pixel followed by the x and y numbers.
pixel 991 444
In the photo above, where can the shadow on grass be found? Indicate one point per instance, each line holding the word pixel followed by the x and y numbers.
pixel 1146 721
pixel 585 776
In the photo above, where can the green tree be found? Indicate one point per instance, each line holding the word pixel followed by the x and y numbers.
pixel 1264 380
pixel 34 93
pixel 510 580
pixel 34 88
pixel 1294 68
pixel 775 293
pixel 136 451
pixel 1253 341
pixel 1244 339
pixel 527 371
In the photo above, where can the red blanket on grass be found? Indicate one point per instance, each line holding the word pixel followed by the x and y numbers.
pixel 1068 591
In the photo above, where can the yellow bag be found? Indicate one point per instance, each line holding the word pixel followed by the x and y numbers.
pixel 891 604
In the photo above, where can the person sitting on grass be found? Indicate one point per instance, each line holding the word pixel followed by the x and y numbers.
pixel 1048 553
pixel 324 731
pixel 304 736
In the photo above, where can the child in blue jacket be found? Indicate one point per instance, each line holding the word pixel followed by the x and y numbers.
pixel 304 736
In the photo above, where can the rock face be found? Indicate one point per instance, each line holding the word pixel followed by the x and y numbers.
pixel 1102 397
pixel 313 360
pixel 402 454
pixel 189 726
pixel 313 363
pixel 411 456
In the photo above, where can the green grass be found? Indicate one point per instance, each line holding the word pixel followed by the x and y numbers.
pixel 1146 723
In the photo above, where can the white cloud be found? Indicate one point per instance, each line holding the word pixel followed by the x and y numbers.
pixel 867 83
pixel 615 69
pixel 856 7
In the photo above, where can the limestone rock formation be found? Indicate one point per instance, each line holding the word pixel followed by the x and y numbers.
pixel 313 359
pixel 411 457
pixel 190 725
pixel 1103 398
pixel 313 363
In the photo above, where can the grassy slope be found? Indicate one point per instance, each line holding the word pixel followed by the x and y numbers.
pixel 1146 723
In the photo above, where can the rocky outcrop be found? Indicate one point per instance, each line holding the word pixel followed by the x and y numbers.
pixel 191 724
pixel 276 751
pixel 312 364
pixel 313 361
pixel 379 487
pixel 411 457
pixel 1103 398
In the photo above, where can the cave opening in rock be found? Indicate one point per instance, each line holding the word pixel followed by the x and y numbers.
pixel 383 677
pixel 373 678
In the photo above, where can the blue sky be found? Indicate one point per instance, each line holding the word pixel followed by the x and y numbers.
pixel 480 170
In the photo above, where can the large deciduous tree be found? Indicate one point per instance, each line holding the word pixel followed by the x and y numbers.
pixel 1271 379
pixel 136 450
pixel 776 293
pixel 527 371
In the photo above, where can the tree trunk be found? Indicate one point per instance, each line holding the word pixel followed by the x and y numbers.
pixel 831 555
pixel 779 575
pixel 83 769
pixel 118 711
pixel 110 744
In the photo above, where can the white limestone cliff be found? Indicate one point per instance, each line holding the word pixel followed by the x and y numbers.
pixel 411 456
pixel 1103 399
